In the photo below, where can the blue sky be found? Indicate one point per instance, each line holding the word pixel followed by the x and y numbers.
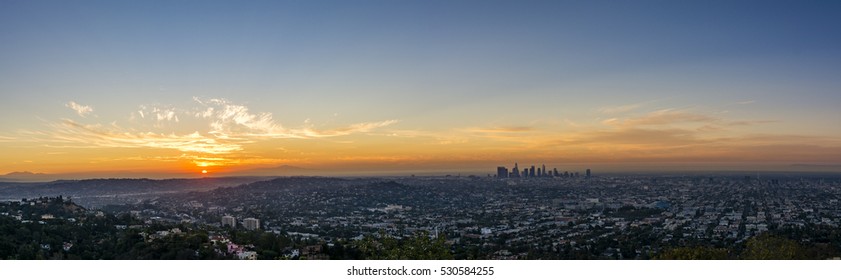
pixel 435 67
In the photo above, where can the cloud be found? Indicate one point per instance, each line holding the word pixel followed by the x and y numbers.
pixel 157 113
pixel 571 123
pixel 227 129
pixel 69 131
pixel 746 102
pixel 747 123
pixel 164 114
pixel 351 129
pixel 428 137
pixel 219 132
pixel 80 109
pixel 692 145
pixel 680 118
pixel 635 136
pixel 230 120
pixel 662 117
pixel 619 109
pixel 502 129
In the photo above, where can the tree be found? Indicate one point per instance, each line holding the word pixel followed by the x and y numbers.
pixel 770 247
pixel 417 247
pixel 694 253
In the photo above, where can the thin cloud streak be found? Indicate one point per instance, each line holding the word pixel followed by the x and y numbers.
pixel 502 129
pixel 661 117
pixel 354 128
pixel 621 109
pixel 81 110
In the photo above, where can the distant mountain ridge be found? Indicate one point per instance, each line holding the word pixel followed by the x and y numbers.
pixel 28 176
pixel 283 170
pixel 22 173
pixel 25 176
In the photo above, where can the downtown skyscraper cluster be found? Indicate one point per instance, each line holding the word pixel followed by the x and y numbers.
pixel 539 172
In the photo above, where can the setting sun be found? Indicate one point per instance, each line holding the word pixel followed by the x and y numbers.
pixel 536 88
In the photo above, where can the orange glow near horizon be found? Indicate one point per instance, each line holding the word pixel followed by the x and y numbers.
pixel 231 137
pixel 625 89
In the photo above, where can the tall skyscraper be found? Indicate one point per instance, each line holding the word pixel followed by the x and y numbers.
pixel 555 172
pixel 544 170
pixel 501 172
pixel 538 172
pixel 588 173
pixel 515 171
pixel 531 171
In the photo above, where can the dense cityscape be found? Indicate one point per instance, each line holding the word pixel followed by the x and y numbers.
pixel 420 139
pixel 528 214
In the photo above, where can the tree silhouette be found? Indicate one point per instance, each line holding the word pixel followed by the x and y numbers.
pixel 694 253
pixel 771 247
pixel 419 246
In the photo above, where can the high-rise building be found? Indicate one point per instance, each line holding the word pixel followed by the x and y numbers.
pixel 544 171
pixel 555 172
pixel 251 223
pixel 538 172
pixel 515 171
pixel 230 221
pixel 588 173
pixel 566 174
pixel 531 171
pixel 501 172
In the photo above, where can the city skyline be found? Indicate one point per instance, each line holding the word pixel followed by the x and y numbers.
pixel 214 88
pixel 502 172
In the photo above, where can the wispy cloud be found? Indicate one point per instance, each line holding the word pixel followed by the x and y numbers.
pixel 165 114
pixel 69 131
pixel 662 117
pixel 620 109
pixel 571 123
pixel 351 129
pixel 681 118
pixel 219 132
pixel 82 110
pixel 229 127
pixel 157 113
pixel 634 136
pixel 687 145
pixel 501 129
pixel 747 123
pixel 228 120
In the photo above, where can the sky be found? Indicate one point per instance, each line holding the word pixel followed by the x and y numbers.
pixel 368 87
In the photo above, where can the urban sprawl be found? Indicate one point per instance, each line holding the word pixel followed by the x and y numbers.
pixel 515 214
